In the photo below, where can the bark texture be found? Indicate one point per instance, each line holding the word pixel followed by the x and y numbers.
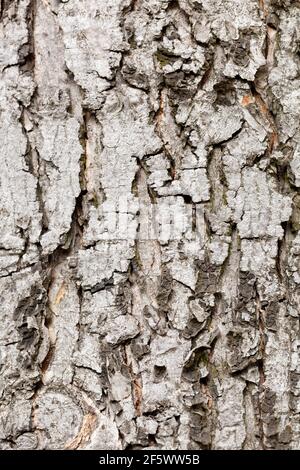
pixel 149 228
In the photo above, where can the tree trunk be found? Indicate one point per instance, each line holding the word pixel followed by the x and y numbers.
pixel 150 208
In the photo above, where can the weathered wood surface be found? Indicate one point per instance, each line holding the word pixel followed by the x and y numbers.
pixel 149 228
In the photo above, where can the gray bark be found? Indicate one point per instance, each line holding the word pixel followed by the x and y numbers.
pixel 149 230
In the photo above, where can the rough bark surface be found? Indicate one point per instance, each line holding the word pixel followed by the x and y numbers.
pixel 149 229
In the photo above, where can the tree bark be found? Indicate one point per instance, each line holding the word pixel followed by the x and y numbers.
pixel 149 230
